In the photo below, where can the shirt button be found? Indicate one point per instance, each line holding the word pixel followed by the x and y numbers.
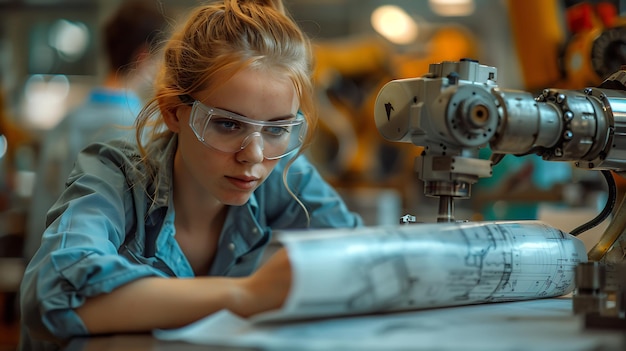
pixel 255 230
pixel 231 247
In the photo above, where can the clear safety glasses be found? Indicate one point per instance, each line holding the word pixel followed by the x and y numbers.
pixel 229 132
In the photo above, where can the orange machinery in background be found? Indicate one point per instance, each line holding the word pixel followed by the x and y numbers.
pixel 569 45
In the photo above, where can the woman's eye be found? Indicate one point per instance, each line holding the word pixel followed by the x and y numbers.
pixel 225 124
pixel 276 131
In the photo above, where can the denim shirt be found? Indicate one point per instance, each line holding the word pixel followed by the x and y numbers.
pixel 107 230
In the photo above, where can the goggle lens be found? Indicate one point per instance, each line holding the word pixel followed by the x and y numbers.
pixel 229 132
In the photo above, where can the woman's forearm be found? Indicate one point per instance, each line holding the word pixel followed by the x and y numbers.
pixel 163 303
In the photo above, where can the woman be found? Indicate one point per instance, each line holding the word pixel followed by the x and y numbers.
pixel 215 168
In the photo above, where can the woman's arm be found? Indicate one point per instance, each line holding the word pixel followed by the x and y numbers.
pixel 163 303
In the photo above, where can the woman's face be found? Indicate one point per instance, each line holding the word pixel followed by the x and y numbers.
pixel 230 178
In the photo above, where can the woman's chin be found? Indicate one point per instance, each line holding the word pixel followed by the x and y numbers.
pixel 236 200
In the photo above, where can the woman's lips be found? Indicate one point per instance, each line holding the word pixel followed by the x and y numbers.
pixel 243 183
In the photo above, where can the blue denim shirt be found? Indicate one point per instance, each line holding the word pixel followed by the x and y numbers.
pixel 106 230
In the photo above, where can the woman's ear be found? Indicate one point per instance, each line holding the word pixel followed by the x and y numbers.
pixel 173 112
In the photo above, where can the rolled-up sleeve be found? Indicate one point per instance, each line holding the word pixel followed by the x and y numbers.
pixel 78 257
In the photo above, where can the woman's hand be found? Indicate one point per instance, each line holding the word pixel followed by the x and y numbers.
pixel 266 289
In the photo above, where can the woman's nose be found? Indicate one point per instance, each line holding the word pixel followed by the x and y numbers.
pixel 251 149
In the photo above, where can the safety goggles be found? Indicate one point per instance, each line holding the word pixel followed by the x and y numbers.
pixel 229 132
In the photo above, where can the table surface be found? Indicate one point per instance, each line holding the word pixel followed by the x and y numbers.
pixel 146 342
pixel 140 342
pixel 529 325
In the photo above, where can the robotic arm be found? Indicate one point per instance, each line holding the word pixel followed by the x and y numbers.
pixel 457 108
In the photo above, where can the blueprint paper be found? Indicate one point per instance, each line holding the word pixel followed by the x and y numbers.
pixel 376 269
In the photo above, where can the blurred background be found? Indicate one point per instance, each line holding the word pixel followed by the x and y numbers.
pixel 50 59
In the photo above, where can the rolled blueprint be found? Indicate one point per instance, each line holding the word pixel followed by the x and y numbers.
pixel 417 266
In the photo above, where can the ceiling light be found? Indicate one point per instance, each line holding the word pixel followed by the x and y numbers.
pixel 394 24
pixel 450 8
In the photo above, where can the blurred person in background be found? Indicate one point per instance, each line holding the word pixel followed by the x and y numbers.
pixel 129 37
pixel 161 231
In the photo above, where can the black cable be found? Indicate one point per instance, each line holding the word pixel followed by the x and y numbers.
pixel 608 208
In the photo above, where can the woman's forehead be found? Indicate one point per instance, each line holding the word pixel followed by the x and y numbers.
pixel 255 94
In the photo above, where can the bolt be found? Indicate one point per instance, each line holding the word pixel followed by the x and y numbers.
pixel 568 116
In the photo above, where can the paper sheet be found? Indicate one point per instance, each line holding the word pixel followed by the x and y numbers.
pixel 546 324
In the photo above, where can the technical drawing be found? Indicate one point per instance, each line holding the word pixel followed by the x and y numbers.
pixel 420 266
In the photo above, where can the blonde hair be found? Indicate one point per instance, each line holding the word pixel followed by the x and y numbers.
pixel 218 40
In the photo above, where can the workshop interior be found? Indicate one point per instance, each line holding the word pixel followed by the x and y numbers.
pixel 429 111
